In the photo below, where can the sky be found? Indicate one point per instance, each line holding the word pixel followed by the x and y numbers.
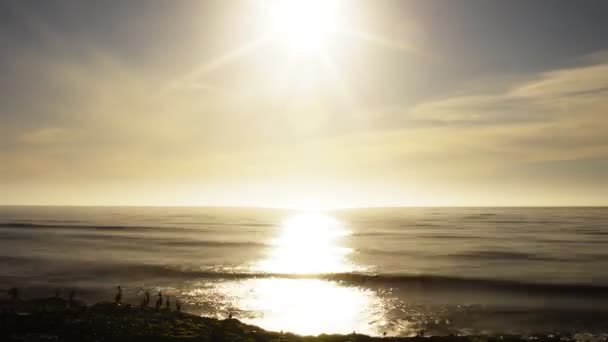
pixel 342 104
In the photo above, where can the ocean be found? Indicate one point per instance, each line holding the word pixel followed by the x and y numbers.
pixel 398 271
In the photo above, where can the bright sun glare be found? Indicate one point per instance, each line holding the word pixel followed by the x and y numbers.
pixel 308 243
pixel 304 25
pixel 306 306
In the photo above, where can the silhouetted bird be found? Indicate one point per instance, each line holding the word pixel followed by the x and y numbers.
pixel 421 333
pixel 167 304
pixel 118 298
pixel 146 300
pixel 230 315
pixel 384 334
pixel 159 301
pixel 13 293
pixel 178 305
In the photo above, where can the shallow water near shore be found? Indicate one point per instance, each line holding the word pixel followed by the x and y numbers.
pixel 443 270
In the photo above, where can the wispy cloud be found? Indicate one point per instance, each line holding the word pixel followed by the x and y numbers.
pixel 90 120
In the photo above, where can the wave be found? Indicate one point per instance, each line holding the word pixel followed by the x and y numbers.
pixel 168 242
pixel 448 282
pixel 109 228
pixel 74 226
pixel 502 255
pixel 72 271
pixel 117 242
pixel 378 233
pixel 520 256
pixel 199 226
pixel 418 281
pixel 592 231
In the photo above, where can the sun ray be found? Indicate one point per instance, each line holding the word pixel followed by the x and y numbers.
pixel 221 61
pixel 303 29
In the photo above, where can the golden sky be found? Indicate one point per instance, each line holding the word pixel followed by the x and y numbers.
pixel 331 104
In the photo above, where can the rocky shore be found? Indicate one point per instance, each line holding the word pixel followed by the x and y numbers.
pixel 56 319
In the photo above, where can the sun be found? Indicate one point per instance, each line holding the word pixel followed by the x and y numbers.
pixel 304 25
pixel 303 31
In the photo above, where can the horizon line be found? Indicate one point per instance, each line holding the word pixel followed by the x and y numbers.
pixel 299 208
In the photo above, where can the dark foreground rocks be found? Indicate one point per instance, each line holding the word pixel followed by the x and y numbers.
pixel 56 320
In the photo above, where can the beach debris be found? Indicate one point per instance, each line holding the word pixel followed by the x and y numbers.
pixel 118 298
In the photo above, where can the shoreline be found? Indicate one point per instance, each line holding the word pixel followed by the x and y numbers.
pixel 56 319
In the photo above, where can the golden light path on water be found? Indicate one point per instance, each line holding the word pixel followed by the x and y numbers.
pixel 307 243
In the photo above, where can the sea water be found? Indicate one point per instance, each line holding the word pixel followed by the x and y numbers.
pixel 385 270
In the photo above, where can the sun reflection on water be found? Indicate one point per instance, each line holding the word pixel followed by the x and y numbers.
pixel 306 244
pixel 307 306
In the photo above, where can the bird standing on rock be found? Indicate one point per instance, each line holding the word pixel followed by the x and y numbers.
pixel 118 298
pixel 146 300
pixel 159 301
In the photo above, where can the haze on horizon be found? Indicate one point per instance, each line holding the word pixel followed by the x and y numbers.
pixel 366 103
